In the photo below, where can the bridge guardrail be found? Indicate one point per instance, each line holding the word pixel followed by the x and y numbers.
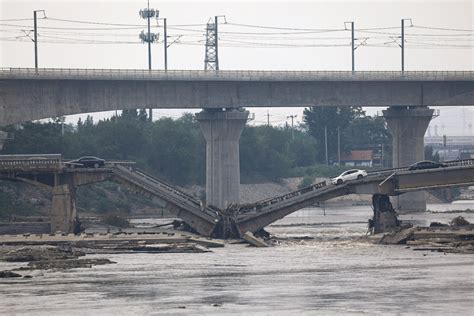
pixel 247 75
pixel 450 163
pixel 29 162
pixel 264 203
pixel 169 193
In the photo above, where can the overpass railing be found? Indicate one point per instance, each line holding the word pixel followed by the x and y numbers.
pixel 231 75
pixel 30 162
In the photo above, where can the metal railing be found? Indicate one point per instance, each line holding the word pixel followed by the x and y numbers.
pixel 264 203
pixel 164 191
pixel 30 162
pixel 379 174
pixel 232 75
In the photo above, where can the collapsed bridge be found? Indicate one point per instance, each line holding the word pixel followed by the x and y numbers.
pixel 234 221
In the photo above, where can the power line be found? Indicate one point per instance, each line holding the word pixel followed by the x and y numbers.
pixel 442 29
pixel 14 20
pixel 283 44
pixel 77 28
pixel 118 24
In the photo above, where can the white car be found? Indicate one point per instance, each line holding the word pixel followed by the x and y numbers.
pixel 353 174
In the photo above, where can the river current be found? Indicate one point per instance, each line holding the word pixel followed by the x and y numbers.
pixel 333 273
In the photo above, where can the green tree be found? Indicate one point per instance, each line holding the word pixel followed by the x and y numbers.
pixel 329 118
pixel 366 132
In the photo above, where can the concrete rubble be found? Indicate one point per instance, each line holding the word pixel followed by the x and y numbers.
pixel 457 237
pixel 254 241
pixel 68 251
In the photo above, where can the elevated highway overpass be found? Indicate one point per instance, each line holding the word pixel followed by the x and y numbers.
pixel 27 94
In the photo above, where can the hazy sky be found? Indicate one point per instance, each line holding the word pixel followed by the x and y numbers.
pixel 76 45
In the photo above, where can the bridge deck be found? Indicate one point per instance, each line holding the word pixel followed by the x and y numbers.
pixel 231 75
pixel 252 217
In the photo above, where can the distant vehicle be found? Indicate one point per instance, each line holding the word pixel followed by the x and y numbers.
pixel 426 164
pixel 347 175
pixel 88 162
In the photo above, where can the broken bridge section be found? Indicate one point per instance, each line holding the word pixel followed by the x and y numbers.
pixel 253 217
pixel 49 171
pixel 203 219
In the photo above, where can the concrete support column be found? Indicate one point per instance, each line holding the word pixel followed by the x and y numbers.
pixel 63 210
pixel 408 126
pixel 222 130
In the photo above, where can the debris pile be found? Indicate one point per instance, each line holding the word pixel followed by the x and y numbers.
pixel 60 251
pixel 46 257
pixel 457 237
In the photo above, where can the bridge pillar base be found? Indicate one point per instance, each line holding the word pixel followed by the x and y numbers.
pixel 63 213
pixel 408 126
pixel 385 219
pixel 222 130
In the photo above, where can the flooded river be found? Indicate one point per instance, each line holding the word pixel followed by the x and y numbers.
pixel 330 274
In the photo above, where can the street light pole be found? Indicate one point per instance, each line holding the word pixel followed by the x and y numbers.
pixel 292 130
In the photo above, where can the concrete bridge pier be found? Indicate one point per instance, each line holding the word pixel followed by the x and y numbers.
pixel 408 126
pixel 222 129
pixel 63 211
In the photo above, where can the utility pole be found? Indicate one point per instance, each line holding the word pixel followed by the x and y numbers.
pixel 149 37
pixel 268 118
pixel 402 44
pixel 165 43
pixel 36 41
pixel 211 57
pixel 326 143
pixel 292 130
pixel 216 22
pixel 353 49
pixel 36 36
pixel 339 145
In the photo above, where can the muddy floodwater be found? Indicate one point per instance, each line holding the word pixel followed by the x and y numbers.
pixel 333 273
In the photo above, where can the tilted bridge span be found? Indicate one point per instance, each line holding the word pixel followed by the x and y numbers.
pixel 236 219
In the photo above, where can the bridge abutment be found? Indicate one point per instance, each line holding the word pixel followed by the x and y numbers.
pixel 63 212
pixel 408 126
pixel 222 130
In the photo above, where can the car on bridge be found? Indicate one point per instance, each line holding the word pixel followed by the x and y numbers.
pixel 426 164
pixel 352 174
pixel 87 162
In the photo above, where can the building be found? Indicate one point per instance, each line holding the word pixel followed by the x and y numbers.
pixel 356 158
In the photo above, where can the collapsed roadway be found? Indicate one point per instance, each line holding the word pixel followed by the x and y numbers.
pixel 233 221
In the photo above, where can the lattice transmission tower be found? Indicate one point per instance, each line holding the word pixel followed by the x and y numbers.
pixel 211 61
